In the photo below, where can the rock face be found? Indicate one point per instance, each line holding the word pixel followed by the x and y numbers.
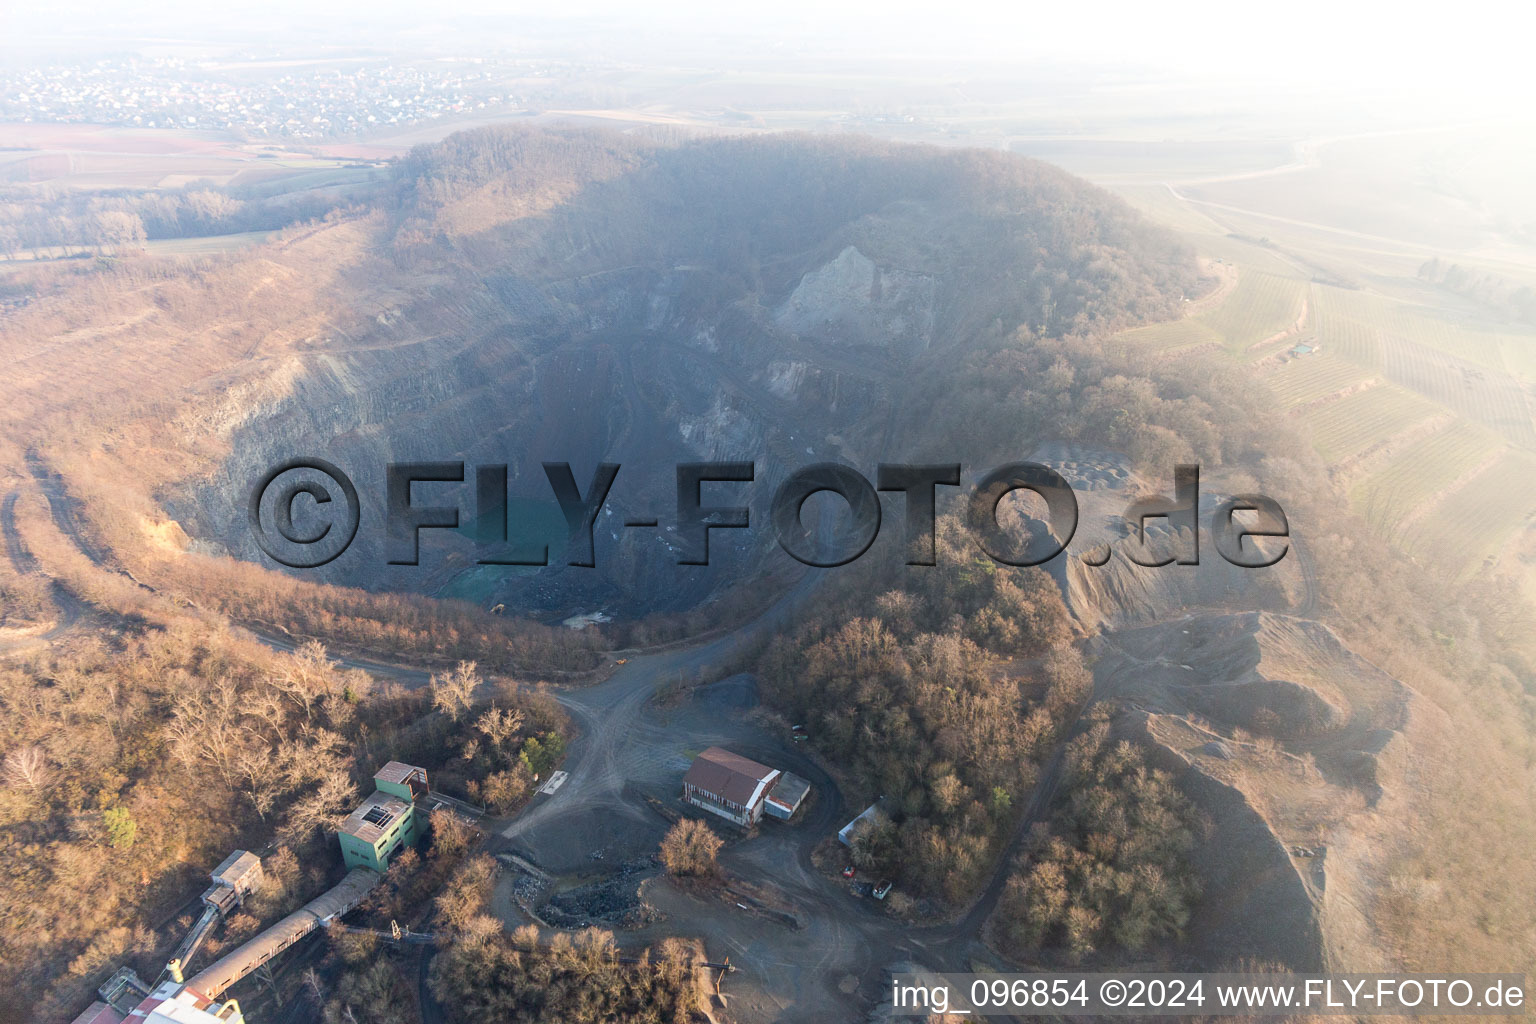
pixel 721 301
pixel 854 301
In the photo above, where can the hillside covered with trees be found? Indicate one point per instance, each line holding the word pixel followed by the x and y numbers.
pixel 137 761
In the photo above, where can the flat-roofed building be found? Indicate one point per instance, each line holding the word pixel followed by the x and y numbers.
pixel 240 873
pixel 387 820
pixel 786 796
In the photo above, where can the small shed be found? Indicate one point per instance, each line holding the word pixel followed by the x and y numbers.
pixel 786 796
pixel 240 871
pixel 845 834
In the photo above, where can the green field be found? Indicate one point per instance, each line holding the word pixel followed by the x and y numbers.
pixel 1446 387
pixel 1338 318
pixel 1249 255
pixel 1309 378
pixel 1172 336
pixel 263 183
pixel 1260 306
pixel 1475 522
pixel 1420 472
pixel 1359 422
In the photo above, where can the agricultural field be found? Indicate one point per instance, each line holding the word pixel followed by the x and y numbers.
pixel 1421 472
pixel 1400 191
pixel 1149 163
pixel 1357 423
pixel 1430 403
pixel 279 177
pixel 1261 306
pixel 1474 523
pixel 1361 321
pixel 1340 319
pixel 206 245
pixel 1172 336
pixel 1445 362
pixel 1161 204
pixel 1250 255
pixel 1310 378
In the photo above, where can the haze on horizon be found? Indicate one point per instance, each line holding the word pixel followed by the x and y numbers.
pixel 1348 51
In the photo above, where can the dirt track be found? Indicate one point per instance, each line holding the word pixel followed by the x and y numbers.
pixel 68 606
pixel 832 965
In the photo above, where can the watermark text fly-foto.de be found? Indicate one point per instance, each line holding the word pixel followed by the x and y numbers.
pixel 305 512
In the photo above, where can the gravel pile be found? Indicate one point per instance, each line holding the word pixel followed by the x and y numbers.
pixel 528 890
pixel 614 901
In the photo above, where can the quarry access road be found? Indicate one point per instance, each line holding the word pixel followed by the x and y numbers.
pixel 831 963
pixel 619 745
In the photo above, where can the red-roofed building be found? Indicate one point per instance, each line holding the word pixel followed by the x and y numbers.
pixel 727 784
pixel 170 1003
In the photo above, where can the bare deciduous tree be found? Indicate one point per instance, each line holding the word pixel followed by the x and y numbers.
pixel 27 768
pixel 321 808
pixel 307 676
pixel 689 848
pixel 204 729
pixel 453 692
pixel 500 725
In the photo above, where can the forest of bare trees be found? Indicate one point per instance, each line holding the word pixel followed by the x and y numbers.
pixel 46 224
pixel 486 974
pixel 1111 871
pixel 133 764
pixel 916 697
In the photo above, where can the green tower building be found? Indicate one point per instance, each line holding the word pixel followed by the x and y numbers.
pixel 387 820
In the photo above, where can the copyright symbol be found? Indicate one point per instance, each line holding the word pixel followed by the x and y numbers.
pixel 322 531
pixel 1112 992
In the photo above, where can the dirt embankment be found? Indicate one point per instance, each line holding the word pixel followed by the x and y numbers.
pixel 1293 745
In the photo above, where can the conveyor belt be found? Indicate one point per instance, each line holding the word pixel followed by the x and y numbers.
pixel 239 962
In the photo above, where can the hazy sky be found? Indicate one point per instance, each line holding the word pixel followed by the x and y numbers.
pixel 1466 48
